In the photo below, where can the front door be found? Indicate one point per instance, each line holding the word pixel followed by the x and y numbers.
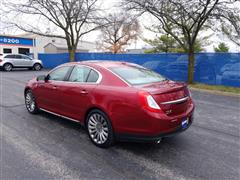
pixel 26 61
pixel 48 92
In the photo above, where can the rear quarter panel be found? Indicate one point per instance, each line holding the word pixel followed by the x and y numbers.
pixel 122 105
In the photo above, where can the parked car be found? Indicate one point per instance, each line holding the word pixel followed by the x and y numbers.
pixel 113 100
pixel 10 61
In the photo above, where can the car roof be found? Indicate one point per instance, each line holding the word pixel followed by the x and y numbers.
pixel 106 63
pixel 12 54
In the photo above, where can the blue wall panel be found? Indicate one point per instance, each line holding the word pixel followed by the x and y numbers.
pixel 210 68
pixel 53 60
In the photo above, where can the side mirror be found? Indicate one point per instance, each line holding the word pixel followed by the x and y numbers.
pixel 46 78
pixel 43 78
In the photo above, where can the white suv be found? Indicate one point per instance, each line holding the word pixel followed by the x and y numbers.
pixel 10 61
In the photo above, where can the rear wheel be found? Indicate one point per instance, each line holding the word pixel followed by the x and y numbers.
pixel 7 67
pixel 99 129
pixel 30 102
pixel 37 67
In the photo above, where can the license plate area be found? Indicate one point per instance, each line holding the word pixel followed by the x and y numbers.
pixel 185 123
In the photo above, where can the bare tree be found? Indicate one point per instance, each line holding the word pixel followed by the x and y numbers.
pixel 74 18
pixel 181 18
pixel 118 30
pixel 230 23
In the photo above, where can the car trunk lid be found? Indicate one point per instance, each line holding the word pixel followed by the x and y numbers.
pixel 172 97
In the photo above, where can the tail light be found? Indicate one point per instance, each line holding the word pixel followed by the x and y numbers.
pixel 187 92
pixel 1 60
pixel 148 102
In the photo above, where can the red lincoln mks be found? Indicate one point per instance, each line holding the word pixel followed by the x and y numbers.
pixel 113 100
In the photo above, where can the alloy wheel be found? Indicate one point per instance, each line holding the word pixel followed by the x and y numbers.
pixel 37 67
pixel 7 67
pixel 98 128
pixel 30 102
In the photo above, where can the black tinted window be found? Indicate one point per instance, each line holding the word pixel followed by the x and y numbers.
pixel 79 74
pixel 18 56
pixel 59 74
pixel 26 57
pixel 10 56
pixel 93 76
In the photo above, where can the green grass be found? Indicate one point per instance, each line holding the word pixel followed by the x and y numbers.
pixel 235 90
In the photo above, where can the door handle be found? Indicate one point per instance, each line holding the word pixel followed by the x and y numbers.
pixel 54 87
pixel 83 92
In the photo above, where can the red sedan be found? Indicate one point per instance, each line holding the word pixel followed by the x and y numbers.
pixel 113 100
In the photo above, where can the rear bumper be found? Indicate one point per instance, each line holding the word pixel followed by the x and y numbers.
pixel 154 138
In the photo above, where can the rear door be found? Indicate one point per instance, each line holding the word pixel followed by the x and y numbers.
pixel 76 93
pixel 17 60
pixel 48 92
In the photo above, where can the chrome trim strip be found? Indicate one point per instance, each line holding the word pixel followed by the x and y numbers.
pixel 65 117
pixel 176 101
pixel 97 82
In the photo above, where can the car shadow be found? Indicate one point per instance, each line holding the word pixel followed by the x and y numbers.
pixel 62 121
pixel 143 147
pixel 18 69
pixel 136 147
pixel 23 70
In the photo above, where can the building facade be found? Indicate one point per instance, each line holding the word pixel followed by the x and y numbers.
pixel 61 47
pixel 28 43
pixel 16 45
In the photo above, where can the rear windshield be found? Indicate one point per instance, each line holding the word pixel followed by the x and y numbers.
pixel 137 75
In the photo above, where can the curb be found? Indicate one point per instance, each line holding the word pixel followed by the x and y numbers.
pixel 216 92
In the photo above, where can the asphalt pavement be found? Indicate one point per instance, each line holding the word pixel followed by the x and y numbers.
pixel 48 147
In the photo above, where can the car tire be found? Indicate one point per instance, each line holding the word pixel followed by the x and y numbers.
pixel 99 129
pixel 7 67
pixel 30 102
pixel 37 67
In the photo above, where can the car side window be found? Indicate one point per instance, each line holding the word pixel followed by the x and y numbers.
pixel 9 56
pixel 79 74
pixel 93 76
pixel 26 57
pixel 59 74
pixel 18 57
